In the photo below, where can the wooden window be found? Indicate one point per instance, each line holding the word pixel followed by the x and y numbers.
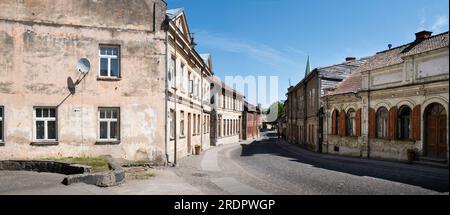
pixel 109 124
pixel 335 122
pixel 342 123
pixel 351 123
pixel 109 61
pixel 382 123
pixel 415 121
pixel 372 123
pixel 404 123
pixel 358 123
pixel 45 124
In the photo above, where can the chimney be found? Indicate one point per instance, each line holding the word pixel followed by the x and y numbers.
pixel 423 35
pixel 350 59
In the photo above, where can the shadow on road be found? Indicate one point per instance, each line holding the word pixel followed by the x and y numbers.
pixel 427 177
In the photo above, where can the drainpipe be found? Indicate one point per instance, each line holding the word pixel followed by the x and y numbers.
pixel 202 117
pixel 166 105
pixel 368 117
pixel 174 120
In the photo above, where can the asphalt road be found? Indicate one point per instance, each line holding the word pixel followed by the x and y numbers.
pixel 269 166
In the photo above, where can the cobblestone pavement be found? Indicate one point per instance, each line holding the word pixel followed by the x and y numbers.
pixel 270 166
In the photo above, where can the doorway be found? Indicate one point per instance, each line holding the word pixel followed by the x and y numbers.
pixel 435 131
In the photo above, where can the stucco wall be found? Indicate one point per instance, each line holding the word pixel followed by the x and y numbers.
pixel 41 56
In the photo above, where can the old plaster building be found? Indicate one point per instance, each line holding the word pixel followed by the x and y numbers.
pixel 189 90
pixel 226 115
pixel 49 109
pixel 305 106
pixel 397 101
pixel 251 121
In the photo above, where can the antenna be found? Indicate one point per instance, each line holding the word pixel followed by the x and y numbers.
pixel 71 85
pixel 83 66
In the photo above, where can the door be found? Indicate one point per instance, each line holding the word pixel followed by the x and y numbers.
pixel 436 131
pixel 189 137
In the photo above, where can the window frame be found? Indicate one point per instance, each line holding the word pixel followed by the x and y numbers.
pixel 379 125
pixel 350 124
pixel 109 57
pixel 400 123
pixel 172 132
pixel 45 120
pixel 182 124
pixel 108 121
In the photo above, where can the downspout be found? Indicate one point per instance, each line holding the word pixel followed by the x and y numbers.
pixel 166 105
pixel 174 120
pixel 368 118
pixel 202 117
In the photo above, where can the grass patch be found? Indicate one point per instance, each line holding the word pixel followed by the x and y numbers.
pixel 98 164
pixel 138 173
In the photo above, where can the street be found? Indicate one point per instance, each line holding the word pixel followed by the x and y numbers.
pixel 271 166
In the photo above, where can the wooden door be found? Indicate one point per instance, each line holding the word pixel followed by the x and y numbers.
pixel 436 131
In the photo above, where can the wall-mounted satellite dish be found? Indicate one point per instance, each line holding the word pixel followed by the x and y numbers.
pixel 83 66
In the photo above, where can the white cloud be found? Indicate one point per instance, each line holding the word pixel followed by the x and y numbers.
pixel 440 24
pixel 261 52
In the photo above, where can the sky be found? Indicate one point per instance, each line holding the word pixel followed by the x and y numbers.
pixel 275 37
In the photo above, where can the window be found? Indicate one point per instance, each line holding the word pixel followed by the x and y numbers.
pixel 199 123
pixel 404 123
pixel 195 124
pixel 109 124
pixel 110 61
pixel 45 124
pixel 350 129
pixel 335 121
pixel 382 123
pixel 1 124
pixel 182 123
pixel 183 81
pixel 172 124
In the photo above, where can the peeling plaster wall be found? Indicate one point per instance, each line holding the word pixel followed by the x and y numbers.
pixel 40 46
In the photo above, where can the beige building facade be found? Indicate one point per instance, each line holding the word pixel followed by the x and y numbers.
pixel 189 90
pixel 395 104
pixel 49 109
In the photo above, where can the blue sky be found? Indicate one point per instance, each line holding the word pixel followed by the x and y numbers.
pixel 274 37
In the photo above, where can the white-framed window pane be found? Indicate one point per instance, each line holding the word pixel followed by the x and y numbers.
pixel 51 130
pixel 114 130
pixel 115 67
pixel 103 67
pixel 1 124
pixel 103 130
pixel 40 130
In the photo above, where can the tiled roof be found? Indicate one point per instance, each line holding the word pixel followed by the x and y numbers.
pixel 395 56
pixel 387 58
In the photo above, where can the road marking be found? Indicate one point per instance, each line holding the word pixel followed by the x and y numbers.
pixel 235 187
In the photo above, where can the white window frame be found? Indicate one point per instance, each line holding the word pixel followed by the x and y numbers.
pixel 182 124
pixel 45 120
pixel 109 57
pixel 108 121
pixel 172 124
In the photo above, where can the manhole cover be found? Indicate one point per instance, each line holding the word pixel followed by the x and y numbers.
pixel 199 175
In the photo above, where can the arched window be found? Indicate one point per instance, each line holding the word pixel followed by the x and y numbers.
pixel 335 121
pixel 404 123
pixel 382 122
pixel 350 129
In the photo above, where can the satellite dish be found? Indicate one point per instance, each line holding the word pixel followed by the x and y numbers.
pixel 83 66
pixel 71 85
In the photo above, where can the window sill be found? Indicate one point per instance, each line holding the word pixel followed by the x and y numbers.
pixel 49 143
pixel 107 143
pixel 108 79
pixel 183 137
pixel 2 143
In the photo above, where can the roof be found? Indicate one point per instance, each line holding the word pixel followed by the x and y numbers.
pixel 173 13
pixel 217 81
pixel 394 56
